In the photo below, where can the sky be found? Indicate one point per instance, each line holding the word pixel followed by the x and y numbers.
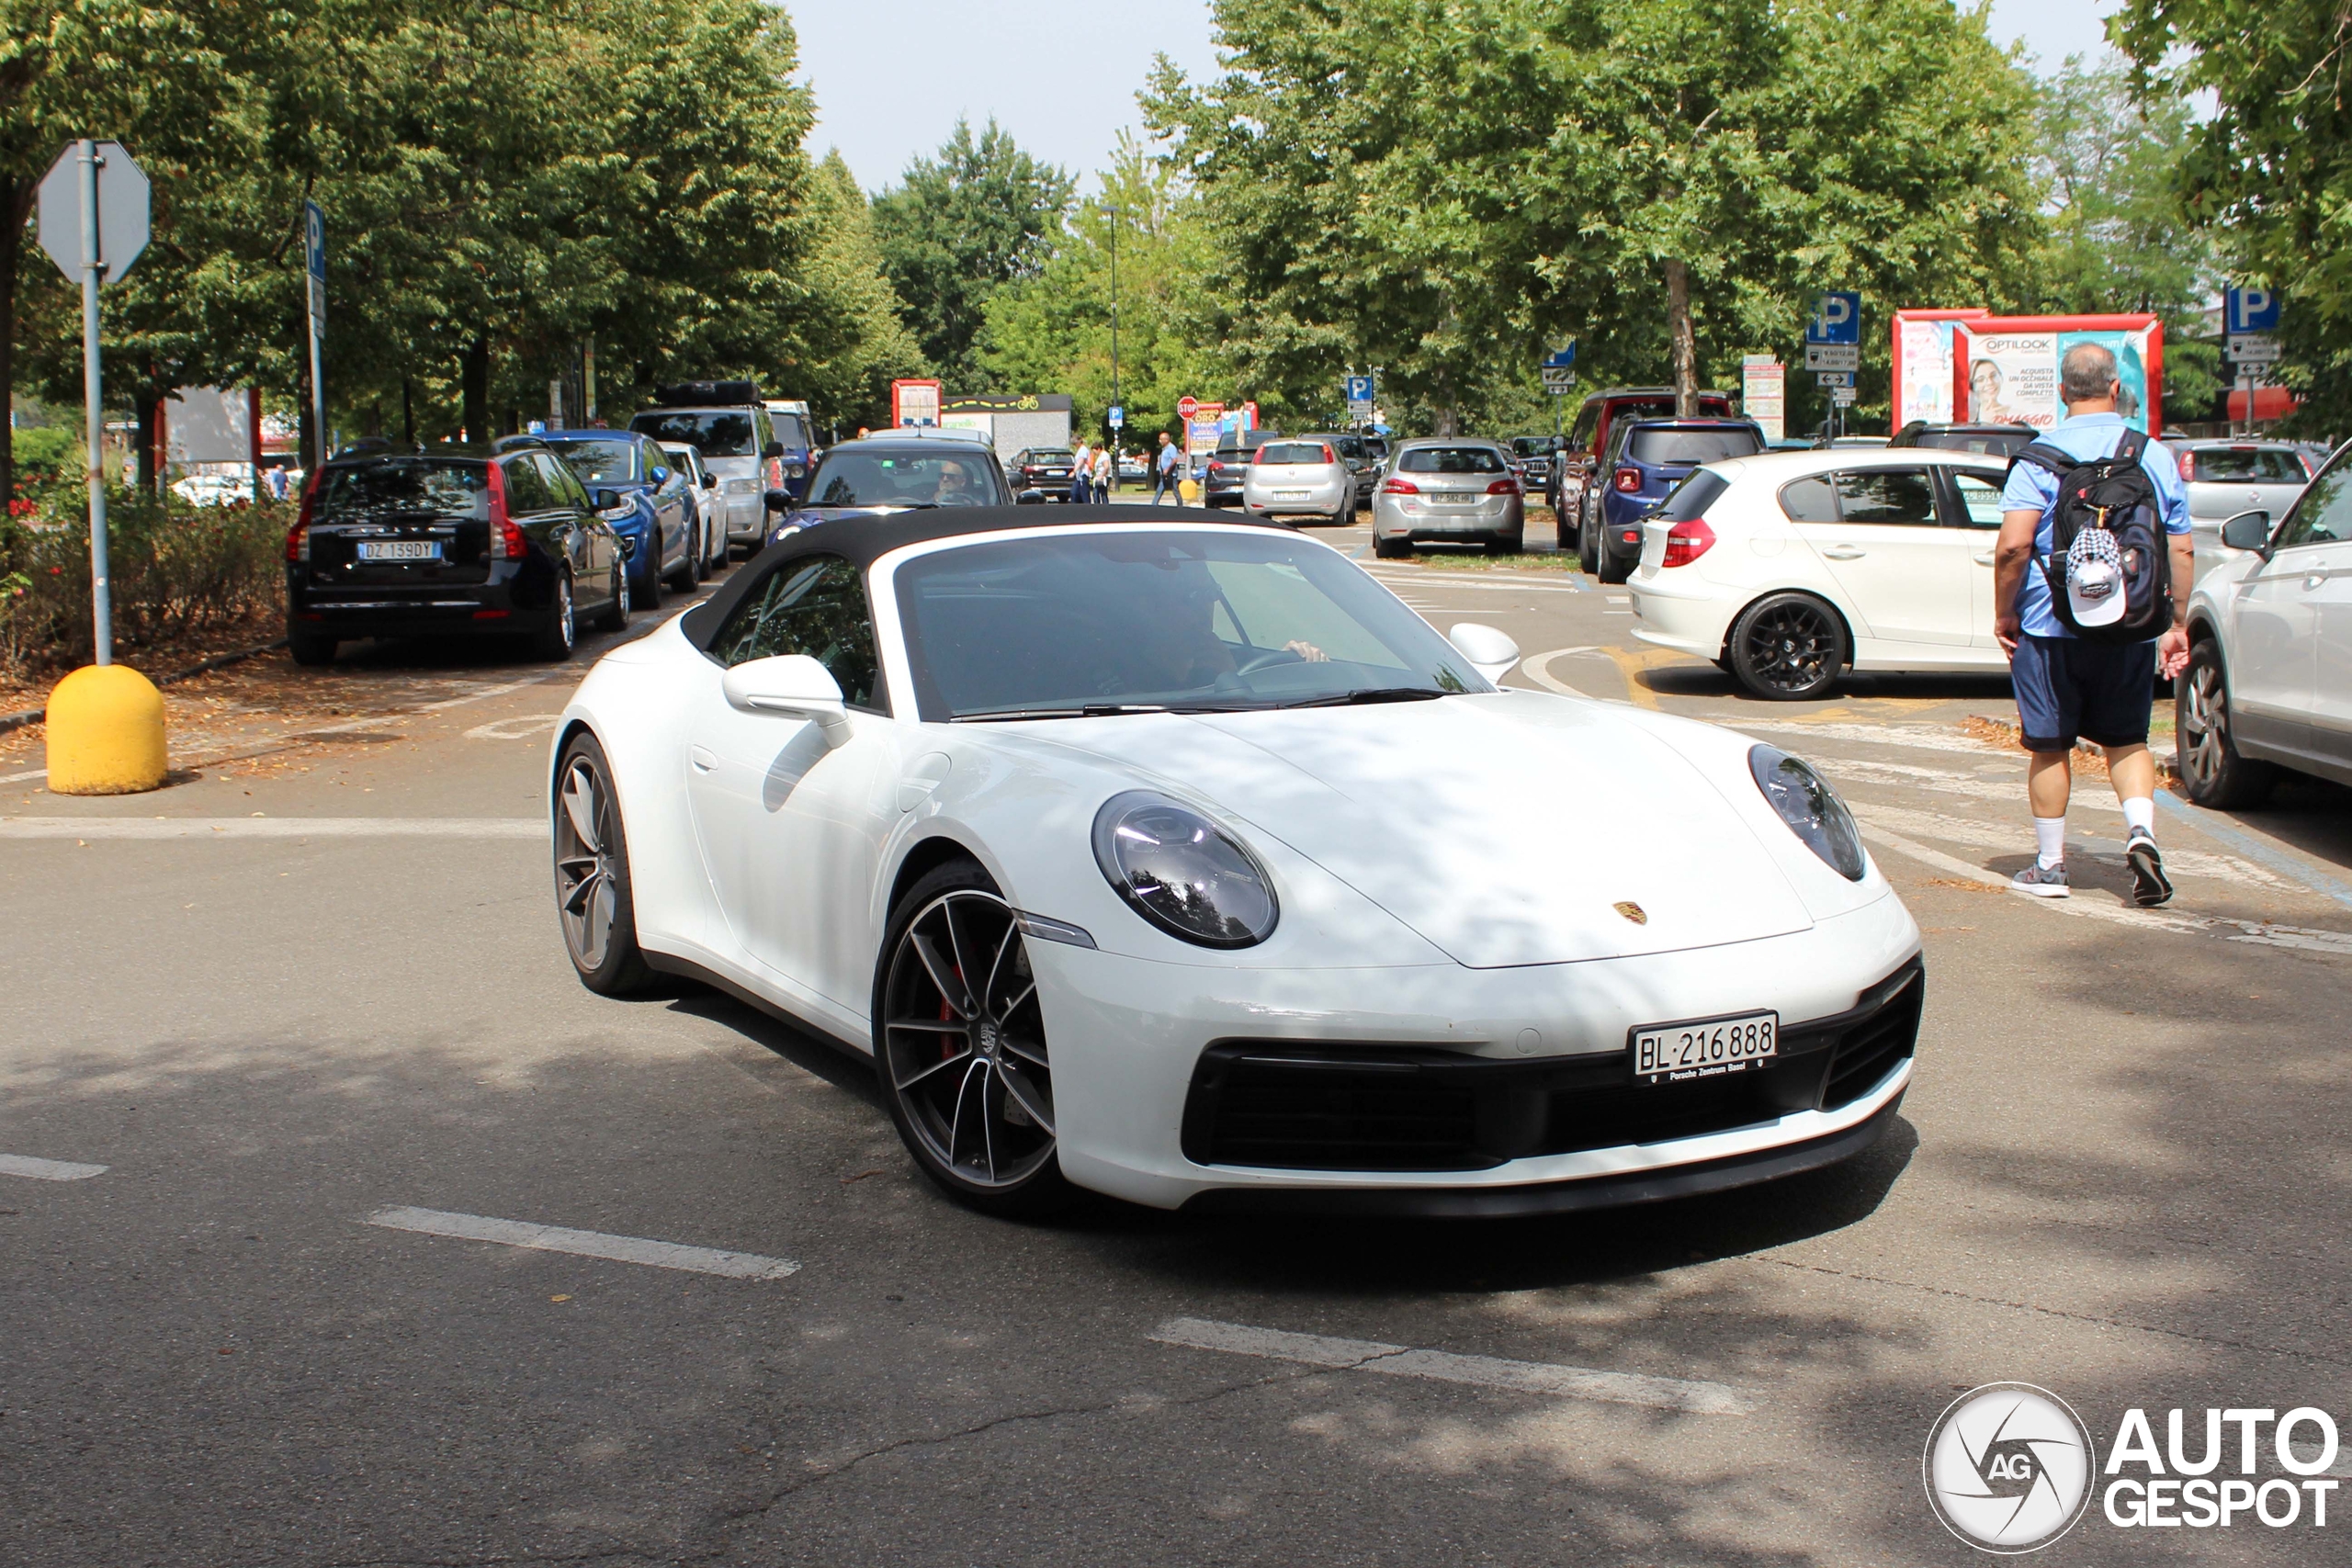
pixel 1062 76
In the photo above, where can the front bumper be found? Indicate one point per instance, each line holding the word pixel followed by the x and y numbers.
pixel 1540 1049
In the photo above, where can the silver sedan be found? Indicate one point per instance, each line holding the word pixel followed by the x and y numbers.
pixel 1300 479
pixel 1456 490
pixel 2226 477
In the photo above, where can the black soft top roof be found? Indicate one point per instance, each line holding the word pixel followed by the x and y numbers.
pixel 864 539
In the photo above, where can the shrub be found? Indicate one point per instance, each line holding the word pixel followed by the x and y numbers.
pixel 178 573
pixel 44 453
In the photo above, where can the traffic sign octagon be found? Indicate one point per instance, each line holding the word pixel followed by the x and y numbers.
pixel 1187 406
pixel 122 211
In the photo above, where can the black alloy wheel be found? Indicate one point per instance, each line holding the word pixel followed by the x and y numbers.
pixel 684 578
pixel 555 642
pixel 1586 557
pixel 614 616
pixel 2212 771
pixel 961 1046
pixel 593 899
pixel 1788 648
pixel 646 594
pixel 1612 567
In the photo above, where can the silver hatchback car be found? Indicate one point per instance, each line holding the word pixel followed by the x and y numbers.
pixel 2226 477
pixel 1454 489
pixel 1300 479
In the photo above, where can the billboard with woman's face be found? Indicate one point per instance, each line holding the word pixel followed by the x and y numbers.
pixel 1971 366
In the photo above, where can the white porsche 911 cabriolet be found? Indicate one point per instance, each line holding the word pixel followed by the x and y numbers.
pixel 1172 856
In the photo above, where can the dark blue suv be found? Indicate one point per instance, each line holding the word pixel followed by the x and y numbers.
pixel 1646 458
pixel 657 522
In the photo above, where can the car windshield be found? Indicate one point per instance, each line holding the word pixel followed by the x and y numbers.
pixel 714 433
pixel 1107 622
pixel 1662 447
pixel 410 484
pixel 1276 453
pixel 682 458
pixel 788 429
pixel 601 462
pixel 903 478
pixel 2245 466
pixel 1450 460
pixel 1049 457
pixel 1992 442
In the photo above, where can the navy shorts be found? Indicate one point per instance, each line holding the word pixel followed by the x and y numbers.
pixel 2069 689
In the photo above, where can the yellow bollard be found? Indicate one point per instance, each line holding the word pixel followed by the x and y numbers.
pixel 1188 491
pixel 106 732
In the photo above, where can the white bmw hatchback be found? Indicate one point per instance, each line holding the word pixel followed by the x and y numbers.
pixel 1788 568
pixel 1160 855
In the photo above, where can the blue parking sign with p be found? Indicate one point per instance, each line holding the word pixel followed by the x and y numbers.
pixel 2253 310
pixel 1359 389
pixel 1836 318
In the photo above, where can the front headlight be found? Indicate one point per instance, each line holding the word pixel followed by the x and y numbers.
pixel 1809 807
pixel 1183 873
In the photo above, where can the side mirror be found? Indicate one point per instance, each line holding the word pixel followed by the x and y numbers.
pixel 773 449
pixel 791 686
pixel 1031 498
pixel 1490 652
pixel 2247 531
pixel 778 501
pixel 659 473
pixel 604 499
pixel 710 481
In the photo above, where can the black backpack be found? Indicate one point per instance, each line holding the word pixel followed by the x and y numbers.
pixel 2114 493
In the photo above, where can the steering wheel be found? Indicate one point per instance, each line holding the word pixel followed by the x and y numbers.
pixel 1261 659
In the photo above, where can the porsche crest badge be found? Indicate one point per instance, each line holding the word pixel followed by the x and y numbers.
pixel 1632 912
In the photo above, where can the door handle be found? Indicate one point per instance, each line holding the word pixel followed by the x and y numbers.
pixel 702 758
pixel 1844 552
pixel 2312 578
pixel 1985 559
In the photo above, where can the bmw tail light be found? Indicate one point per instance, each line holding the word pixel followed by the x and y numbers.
pixel 1505 487
pixel 1629 480
pixel 1686 542
pixel 1399 487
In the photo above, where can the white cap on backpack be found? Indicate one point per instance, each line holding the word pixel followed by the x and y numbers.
pixel 2095 578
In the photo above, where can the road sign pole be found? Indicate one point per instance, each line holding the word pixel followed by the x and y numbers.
pixel 94 414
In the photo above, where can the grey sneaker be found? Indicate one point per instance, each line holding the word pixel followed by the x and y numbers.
pixel 2042 881
pixel 2150 886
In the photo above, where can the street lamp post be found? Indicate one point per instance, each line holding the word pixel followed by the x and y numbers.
pixel 1114 213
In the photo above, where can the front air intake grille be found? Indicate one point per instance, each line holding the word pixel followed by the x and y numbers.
pixel 1294 1106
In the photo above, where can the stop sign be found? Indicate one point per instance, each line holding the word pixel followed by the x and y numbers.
pixel 1187 406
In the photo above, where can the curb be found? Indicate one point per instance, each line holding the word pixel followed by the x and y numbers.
pixel 23 716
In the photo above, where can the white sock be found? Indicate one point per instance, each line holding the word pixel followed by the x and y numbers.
pixel 2050 838
pixel 2140 816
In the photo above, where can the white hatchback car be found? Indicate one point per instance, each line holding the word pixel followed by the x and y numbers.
pixel 1789 568
pixel 1301 478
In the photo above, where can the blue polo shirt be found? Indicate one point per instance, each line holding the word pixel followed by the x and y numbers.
pixel 2032 487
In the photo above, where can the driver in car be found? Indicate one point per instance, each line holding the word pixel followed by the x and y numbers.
pixel 953 488
pixel 1176 648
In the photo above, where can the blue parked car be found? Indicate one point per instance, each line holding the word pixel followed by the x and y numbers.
pixel 1646 458
pixel 656 521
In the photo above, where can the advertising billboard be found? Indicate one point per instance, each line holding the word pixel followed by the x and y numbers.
pixel 1971 366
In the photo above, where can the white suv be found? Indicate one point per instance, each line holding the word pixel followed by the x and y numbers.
pixel 1788 568
pixel 2269 677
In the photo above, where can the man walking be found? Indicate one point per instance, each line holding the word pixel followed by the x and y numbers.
pixel 1081 469
pixel 2070 687
pixel 1164 470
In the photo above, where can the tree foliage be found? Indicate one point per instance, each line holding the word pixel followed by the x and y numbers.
pixel 959 227
pixel 2270 172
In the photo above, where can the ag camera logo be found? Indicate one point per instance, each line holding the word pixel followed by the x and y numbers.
pixel 2009 1467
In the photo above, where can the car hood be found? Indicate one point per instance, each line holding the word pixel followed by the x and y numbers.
pixel 1504 830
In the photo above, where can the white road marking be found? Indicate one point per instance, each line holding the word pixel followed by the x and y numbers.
pixel 520 728
pixel 586 1244
pixel 1916 737
pixel 1943 781
pixel 2258 933
pixel 1485 1371
pixel 1993 836
pixel 48 1169
pixel 1536 668
pixel 272 827
pixel 1504 585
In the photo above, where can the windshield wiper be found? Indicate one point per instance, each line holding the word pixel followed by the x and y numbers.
pixel 1369 694
pixel 1085 710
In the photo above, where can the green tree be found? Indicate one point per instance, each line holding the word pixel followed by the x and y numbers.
pixel 2269 173
pixel 847 370
pixel 1443 187
pixel 959 227
pixel 1052 332
pixel 2117 237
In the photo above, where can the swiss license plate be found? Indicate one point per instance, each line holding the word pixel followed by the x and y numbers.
pixel 400 549
pixel 1711 1048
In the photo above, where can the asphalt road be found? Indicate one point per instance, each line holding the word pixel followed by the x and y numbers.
pixel 2120 1175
